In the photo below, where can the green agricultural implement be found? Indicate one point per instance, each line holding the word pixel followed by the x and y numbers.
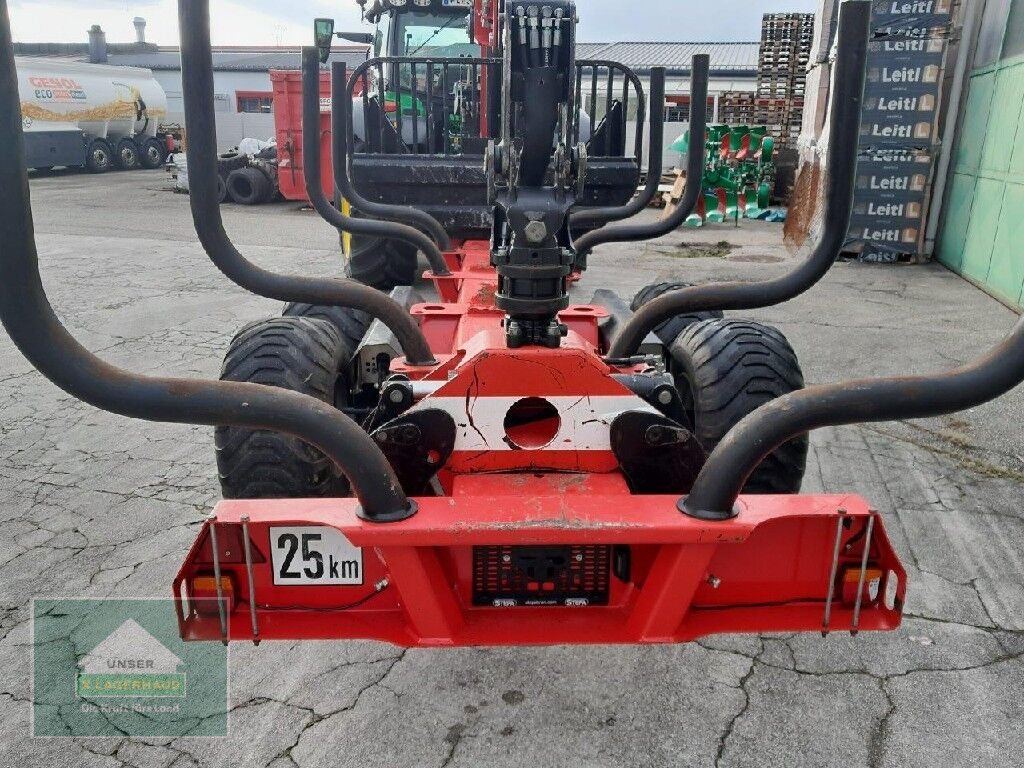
pixel 739 173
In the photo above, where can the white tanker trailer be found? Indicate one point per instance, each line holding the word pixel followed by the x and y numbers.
pixel 92 115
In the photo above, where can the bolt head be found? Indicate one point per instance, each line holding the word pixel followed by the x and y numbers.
pixel 536 231
pixel 396 396
pixel 665 397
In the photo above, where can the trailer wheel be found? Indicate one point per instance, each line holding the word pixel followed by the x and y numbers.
pixel 724 370
pixel 351 323
pixel 295 353
pixel 126 154
pixel 381 264
pixel 153 153
pixel 99 157
pixel 669 330
pixel 249 186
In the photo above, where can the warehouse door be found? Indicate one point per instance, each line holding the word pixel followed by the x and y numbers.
pixel 982 234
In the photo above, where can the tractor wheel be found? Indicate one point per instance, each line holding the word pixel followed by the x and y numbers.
pixel 724 370
pixel 669 331
pixel 153 153
pixel 249 186
pixel 99 157
pixel 295 353
pixel 350 323
pixel 126 154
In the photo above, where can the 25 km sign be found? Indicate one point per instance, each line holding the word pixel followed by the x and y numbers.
pixel 314 555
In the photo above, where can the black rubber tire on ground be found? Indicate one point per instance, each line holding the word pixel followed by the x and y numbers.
pixel 669 331
pixel 99 156
pixel 724 370
pixel 296 353
pixel 231 161
pixel 249 186
pixel 351 323
pixel 126 154
pixel 222 190
pixel 153 154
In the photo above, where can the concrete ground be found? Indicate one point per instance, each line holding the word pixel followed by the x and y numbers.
pixel 94 505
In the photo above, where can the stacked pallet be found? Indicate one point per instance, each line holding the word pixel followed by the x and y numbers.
pixel 737 107
pixel 786 40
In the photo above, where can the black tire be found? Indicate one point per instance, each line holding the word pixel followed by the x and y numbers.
pixel 724 370
pixel 222 190
pixel 154 152
pixel 295 353
pixel 231 161
pixel 382 264
pixel 350 323
pixel 99 156
pixel 126 154
pixel 249 186
pixel 669 331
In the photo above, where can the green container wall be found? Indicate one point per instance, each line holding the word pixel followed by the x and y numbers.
pixel 982 235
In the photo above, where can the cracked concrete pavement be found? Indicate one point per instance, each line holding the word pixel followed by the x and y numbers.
pixel 92 504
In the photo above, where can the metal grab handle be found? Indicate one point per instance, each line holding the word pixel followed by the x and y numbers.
pixel 694 171
pixel 341 127
pixel 200 125
pixel 854 24
pixel 655 164
pixel 714 493
pixel 35 329
pixel 311 137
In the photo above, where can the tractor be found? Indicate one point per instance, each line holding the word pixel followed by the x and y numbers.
pixel 491 463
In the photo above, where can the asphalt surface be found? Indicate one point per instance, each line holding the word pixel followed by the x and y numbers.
pixel 93 504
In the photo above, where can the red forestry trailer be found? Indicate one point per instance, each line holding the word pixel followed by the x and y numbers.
pixel 498 465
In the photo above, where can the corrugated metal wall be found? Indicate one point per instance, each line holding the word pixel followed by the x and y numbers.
pixel 982 235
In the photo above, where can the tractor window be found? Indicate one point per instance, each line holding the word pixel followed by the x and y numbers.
pixel 433 34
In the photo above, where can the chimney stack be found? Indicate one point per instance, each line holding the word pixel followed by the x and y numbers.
pixel 140 29
pixel 97 45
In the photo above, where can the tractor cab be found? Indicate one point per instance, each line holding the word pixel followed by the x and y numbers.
pixel 441 30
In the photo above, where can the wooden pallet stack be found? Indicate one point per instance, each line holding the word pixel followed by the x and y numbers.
pixel 786 40
pixel 737 108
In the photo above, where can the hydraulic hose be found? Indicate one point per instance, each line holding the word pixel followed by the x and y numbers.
pixel 694 172
pixel 35 329
pixel 655 164
pixel 855 16
pixel 714 493
pixel 200 124
pixel 311 139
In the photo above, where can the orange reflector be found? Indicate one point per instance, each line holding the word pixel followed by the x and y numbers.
pixel 850 578
pixel 204 594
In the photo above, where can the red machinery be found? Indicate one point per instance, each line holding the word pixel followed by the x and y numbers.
pixel 533 515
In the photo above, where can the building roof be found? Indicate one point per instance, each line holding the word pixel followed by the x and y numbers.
pixel 225 58
pixel 238 59
pixel 246 60
pixel 727 59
